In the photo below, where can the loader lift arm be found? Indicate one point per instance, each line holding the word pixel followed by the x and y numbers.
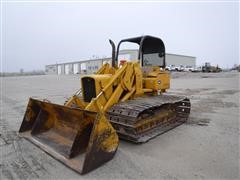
pixel 128 85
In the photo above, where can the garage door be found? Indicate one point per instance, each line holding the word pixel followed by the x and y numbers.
pixel 67 69
pixel 83 67
pixel 75 68
pixel 59 70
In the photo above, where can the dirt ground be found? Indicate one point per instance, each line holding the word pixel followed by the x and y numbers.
pixel 205 147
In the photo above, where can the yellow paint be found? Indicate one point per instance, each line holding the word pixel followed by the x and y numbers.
pixel 112 85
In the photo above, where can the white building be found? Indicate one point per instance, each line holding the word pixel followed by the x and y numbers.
pixel 171 59
pixel 91 66
pixel 76 67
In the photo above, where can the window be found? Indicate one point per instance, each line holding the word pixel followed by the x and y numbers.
pixel 152 59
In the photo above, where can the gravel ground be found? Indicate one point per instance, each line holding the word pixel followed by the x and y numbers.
pixel 205 147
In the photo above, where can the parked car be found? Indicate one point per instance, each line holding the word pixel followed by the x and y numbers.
pixel 170 68
pixel 188 68
pixel 179 68
pixel 197 69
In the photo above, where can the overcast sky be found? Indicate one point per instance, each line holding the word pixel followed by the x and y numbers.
pixel 37 34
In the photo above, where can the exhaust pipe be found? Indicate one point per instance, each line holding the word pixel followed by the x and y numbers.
pixel 113 52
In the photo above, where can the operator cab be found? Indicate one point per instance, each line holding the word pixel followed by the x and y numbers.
pixel 151 51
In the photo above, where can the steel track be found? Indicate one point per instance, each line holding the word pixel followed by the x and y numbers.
pixel 144 118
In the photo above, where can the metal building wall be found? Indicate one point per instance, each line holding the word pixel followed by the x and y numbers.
pixel 177 60
pixel 78 67
pixel 128 54
pixel 94 65
pixel 171 59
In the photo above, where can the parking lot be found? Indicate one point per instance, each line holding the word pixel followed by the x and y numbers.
pixel 207 146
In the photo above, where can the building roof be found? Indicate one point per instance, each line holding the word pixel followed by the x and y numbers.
pixel 180 55
pixel 81 61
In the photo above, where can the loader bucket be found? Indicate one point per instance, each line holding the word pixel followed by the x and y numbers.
pixel 82 140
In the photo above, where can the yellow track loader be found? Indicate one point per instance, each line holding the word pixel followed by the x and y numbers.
pixel 124 100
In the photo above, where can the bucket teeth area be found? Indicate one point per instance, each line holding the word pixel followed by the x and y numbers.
pixel 80 139
pixel 144 118
pixel 57 126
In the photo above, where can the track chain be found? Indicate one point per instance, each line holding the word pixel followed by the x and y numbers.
pixel 143 118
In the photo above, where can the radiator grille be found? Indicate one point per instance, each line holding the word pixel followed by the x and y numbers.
pixel 89 90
